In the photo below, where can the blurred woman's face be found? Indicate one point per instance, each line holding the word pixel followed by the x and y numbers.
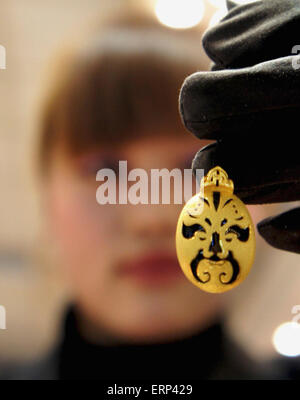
pixel 120 258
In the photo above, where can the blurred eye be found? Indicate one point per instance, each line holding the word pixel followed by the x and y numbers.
pixel 89 165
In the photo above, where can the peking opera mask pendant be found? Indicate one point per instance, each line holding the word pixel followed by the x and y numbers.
pixel 215 237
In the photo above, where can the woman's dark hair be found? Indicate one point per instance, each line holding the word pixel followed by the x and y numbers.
pixel 122 83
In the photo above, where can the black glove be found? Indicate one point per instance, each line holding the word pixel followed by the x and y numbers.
pixel 250 104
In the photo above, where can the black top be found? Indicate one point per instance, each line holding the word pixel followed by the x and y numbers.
pixel 209 354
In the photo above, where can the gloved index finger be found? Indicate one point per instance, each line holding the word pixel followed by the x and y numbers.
pixel 244 102
pixel 253 33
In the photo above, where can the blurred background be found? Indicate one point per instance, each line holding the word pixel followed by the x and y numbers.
pixel 30 288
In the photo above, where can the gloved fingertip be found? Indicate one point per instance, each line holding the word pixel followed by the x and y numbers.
pixel 205 159
pixel 191 107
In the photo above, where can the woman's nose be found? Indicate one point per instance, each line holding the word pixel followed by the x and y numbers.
pixel 152 221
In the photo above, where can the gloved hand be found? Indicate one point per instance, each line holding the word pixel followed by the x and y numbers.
pixel 250 104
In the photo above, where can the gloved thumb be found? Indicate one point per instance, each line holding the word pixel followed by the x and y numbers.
pixel 282 231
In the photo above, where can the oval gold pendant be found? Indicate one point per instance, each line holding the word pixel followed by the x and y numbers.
pixel 215 236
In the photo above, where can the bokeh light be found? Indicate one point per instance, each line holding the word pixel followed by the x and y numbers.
pixel 286 339
pixel 180 14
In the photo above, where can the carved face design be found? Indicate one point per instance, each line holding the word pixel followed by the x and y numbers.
pixel 215 247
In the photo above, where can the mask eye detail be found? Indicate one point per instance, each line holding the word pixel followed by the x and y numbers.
pixel 242 233
pixel 228 240
pixel 223 222
pixel 207 220
pixel 189 231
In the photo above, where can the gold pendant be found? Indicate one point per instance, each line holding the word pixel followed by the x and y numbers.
pixel 215 236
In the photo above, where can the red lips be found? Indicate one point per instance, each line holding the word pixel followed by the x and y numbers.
pixel 152 268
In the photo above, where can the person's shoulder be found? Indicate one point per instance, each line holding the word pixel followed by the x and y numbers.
pixel 239 365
